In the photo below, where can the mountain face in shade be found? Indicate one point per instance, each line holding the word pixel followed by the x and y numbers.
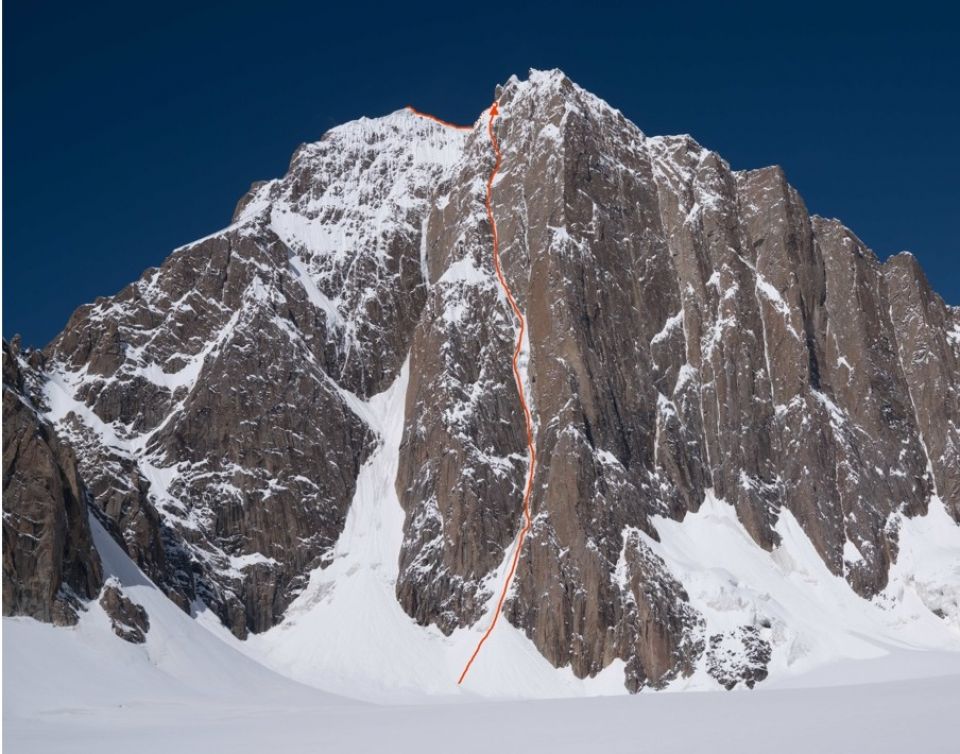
pixel 694 339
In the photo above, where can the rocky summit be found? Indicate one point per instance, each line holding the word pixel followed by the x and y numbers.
pixel 695 339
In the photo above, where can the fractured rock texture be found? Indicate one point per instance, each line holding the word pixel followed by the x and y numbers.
pixel 690 327
pixel 128 619
pixel 49 561
pixel 214 402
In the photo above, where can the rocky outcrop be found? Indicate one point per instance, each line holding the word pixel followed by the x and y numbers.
pixel 739 656
pixel 692 331
pixel 128 619
pixel 49 563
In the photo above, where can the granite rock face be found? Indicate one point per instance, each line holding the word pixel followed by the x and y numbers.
pixel 739 656
pixel 50 565
pixel 692 331
pixel 690 328
pixel 928 349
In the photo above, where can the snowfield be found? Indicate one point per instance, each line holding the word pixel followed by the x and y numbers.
pixel 74 691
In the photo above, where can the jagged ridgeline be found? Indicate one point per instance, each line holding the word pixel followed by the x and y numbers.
pixel 694 336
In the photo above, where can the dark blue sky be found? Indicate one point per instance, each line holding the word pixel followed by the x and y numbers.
pixel 132 128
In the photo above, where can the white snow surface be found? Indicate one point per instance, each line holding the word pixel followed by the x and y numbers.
pixel 178 660
pixel 65 688
pixel 812 618
pixel 57 709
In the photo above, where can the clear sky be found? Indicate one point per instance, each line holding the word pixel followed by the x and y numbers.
pixel 132 128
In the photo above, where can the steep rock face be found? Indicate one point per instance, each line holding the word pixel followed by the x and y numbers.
pixel 49 561
pixel 213 402
pixel 692 333
pixel 592 382
pixel 462 459
pixel 929 355
pixel 690 327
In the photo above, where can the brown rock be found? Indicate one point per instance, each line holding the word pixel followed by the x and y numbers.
pixel 216 400
pixel 690 327
pixel 49 563
pixel 128 619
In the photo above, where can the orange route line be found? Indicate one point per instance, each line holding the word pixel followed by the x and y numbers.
pixel 435 119
pixel 531 450
pixel 528 419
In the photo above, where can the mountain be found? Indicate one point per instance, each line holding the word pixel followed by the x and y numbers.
pixel 747 427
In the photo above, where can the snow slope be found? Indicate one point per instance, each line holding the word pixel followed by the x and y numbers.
pixel 84 691
pixel 51 671
pixel 811 617
pixel 893 717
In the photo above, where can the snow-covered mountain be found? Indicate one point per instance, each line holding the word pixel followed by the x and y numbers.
pixel 304 429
